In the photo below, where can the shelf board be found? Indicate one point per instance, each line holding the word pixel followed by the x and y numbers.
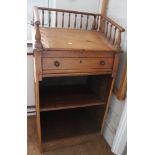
pixel 66 142
pixel 67 97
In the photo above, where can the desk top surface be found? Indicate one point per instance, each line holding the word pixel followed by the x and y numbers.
pixel 72 39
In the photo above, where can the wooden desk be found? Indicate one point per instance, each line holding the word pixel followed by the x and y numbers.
pixel 75 70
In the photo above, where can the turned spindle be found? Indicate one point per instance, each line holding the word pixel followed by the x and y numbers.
pixel 69 18
pixel 94 23
pixel 75 21
pixel 56 19
pixel 103 26
pixel 81 21
pixel 49 18
pixel 87 22
pixel 118 41
pixel 96 27
pixel 114 36
pixel 110 32
pixel 107 25
pixel 62 19
pixel 37 35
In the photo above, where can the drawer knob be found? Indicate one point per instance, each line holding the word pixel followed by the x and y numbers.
pixel 57 63
pixel 102 62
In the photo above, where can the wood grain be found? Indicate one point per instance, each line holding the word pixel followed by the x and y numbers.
pixel 102 18
pixel 121 94
pixel 71 39
pixel 75 73
pixel 37 112
pixel 38 64
pixel 103 12
pixel 69 142
pixel 116 63
pixel 37 103
pixel 104 7
pixel 77 54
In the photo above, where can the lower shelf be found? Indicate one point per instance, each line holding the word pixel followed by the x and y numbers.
pixel 60 143
pixel 70 126
pixel 68 123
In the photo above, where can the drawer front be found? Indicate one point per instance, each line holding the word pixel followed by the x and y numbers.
pixel 77 63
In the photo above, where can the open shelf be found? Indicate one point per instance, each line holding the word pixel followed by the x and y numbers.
pixel 69 123
pixel 67 97
pixel 71 109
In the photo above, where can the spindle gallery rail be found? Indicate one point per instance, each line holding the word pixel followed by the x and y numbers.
pixel 65 16
pixel 59 18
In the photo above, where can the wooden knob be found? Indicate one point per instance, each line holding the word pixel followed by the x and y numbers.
pixel 57 63
pixel 102 62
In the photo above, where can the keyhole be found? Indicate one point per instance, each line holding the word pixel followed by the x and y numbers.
pixel 80 61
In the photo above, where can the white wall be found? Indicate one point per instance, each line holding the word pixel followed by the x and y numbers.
pixel 79 5
pixel 30 81
pixel 116 10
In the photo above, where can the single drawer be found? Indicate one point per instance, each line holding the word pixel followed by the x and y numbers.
pixel 76 63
